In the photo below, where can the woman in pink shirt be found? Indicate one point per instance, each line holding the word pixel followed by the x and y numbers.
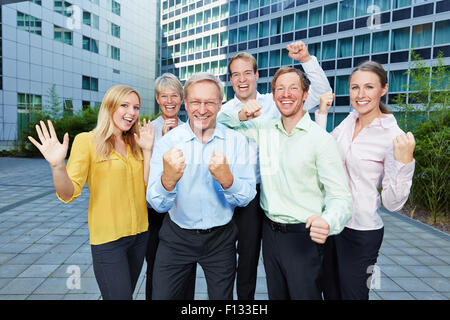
pixel 376 153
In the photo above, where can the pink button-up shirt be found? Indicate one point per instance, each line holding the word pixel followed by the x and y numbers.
pixel 370 164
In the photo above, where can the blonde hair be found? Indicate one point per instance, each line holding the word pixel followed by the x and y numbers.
pixel 103 132
pixel 168 80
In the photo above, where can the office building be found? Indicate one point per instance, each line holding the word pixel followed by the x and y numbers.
pixel 78 47
pixel 201 35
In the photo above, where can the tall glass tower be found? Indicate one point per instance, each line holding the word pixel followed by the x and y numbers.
pixel 201 35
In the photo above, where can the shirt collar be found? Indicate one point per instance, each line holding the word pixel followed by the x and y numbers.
pixel 303 124
pixel 237 101
pixel 387 122
pixel 219 132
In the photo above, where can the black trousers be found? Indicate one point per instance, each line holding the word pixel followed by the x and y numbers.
pixel 329 274
pixel 249 222
pixel 357 253
pixel 180 250
pixel 118 264
pixel 292 262
pixel 155 220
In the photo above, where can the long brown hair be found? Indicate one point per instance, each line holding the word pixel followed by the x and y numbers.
pixel 378 69
pixel 103 132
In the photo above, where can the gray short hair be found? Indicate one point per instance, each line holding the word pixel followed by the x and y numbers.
pixel 204 76
pixel 168 80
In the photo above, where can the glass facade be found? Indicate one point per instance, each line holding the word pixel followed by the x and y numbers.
pixel 341 34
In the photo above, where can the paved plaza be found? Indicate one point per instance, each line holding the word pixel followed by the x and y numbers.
pixel 44 245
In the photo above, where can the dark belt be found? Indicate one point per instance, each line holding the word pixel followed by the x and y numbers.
pixel 286 227
pixel 205 231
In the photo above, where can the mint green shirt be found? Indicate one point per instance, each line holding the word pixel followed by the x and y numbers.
pixel 301 173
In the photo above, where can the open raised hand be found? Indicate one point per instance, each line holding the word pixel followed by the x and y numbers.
pixel 50 147
pixel 146 135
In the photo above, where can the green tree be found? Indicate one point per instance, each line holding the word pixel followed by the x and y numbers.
pixel 424 110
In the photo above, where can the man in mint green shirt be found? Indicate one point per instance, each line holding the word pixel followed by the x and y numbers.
pixel 304 187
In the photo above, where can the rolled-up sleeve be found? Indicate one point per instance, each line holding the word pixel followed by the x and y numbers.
pixel 78 165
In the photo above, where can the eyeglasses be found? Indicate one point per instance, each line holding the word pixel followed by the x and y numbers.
pixel 197 103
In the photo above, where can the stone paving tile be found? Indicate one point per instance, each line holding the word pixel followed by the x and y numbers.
pixel 38 271
pixel 412 284
pixel 41 239
pixel 21 286
pixel 428 295
pixel 388 295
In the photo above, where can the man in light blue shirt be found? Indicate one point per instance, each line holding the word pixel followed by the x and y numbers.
pixel 200 171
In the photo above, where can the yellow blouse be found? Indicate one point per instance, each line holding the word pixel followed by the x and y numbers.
pixel 117 205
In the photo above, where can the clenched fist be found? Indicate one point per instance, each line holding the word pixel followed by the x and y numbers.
pixel 404 146
pixel 250 110
pixel 298 51
pixel 173 168
pixel 319 228
pixel 326 101
pixel 220 170
pixel 169 124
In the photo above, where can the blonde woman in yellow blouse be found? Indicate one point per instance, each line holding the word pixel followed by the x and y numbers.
pixel 114 160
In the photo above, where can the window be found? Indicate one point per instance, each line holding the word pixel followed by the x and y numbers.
pixel 314 50
pixel 421 36
pixel 253 31
pixel 91 19
pixel 233 36
pixel 398 81
pixel 400 39
pixel 90 44
pixel 214 41
pixel 346 9
pixel 38 2
pixel 263 60
pixel 401 3
pixel 330 13
pixel 380 41
pixel 362 44
pixel 342 85
pixel 29 23
pixel 243 6
pixel 275 26
pixel 115 30
pixel 68 106
pixel 223 39
pixel 345 47
pixel 263 29
pixel 26 101
pixel 274 60
pixel 315 17
pixel 115 7
pixel 383 5
pixel 233 7
pixel 288 23
pixel 206 43
pixel 329 50
pixel 89 83
pixel 63 35
pixel 243 34
pixel 362 6
pixel 62 7
pixel 285 59
pixel 301 19
pixel 224 11
pixel 441 32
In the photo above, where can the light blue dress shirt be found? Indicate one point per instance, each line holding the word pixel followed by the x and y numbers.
pixel 198 200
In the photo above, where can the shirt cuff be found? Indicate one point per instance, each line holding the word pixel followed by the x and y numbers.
pixel 235 187
pixel 159 188
pixel 406 171
pixel 321 119
pixel 311 65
